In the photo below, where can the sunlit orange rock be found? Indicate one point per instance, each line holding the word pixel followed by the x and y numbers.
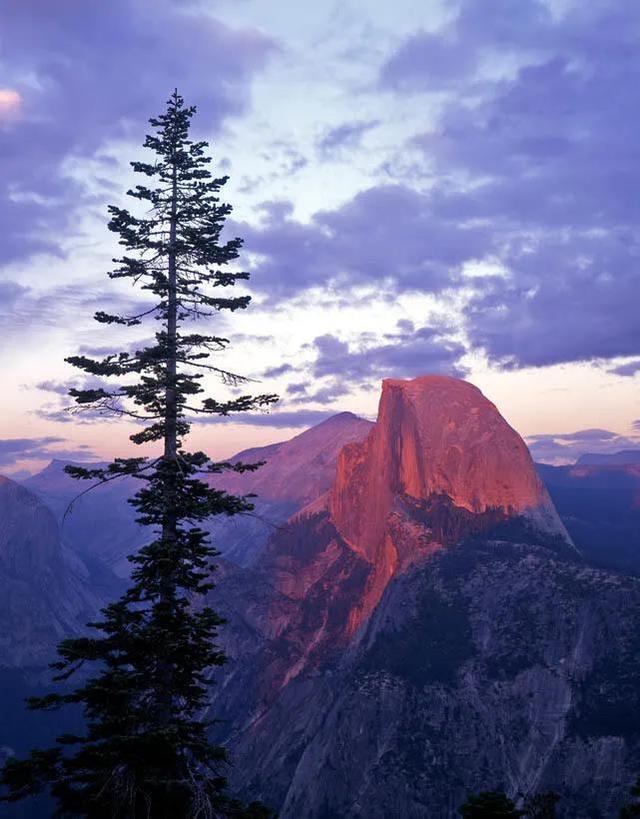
pixel 435 436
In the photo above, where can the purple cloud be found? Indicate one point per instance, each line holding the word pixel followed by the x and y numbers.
pixel 13 450
pixel 548 157
pixel 85 73
pixel 25 309
pixel 567 447
pixel 64 410
pixel 427 61
pixel 310 393
pixel 276 372
pixel 631 368
pixel 346 136
pixel 408 354
pixel 386 233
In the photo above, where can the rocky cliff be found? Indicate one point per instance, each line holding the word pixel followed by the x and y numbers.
pixel 439 465
pixel 427 629
pixel 46 591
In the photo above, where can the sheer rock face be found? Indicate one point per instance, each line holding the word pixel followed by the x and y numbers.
pixel 435 436
pixel 46 592
pixel 440 463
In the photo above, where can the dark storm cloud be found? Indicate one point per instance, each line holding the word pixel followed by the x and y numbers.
pixel 87 72
pixel 549 157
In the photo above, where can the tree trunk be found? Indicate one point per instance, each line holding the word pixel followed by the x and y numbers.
pixel 169 525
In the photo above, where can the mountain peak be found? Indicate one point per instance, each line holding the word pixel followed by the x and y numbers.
pixel 436 437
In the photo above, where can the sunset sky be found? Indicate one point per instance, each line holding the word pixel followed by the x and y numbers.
pixel 422 187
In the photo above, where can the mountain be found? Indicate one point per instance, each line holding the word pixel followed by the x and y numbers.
pixel 427 628
pixel 46 591
pixel 439 464
pixel 412 623
pixel 600 506
pixel 301 469
pixel 437 438
pixel 295 473
pixel 99 524
pixel 625 456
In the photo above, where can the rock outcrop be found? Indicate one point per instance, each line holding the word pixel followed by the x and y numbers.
pixel 439 465
pixel 436 437
pixel 427 629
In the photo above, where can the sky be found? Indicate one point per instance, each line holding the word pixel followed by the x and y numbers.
pixel 421 187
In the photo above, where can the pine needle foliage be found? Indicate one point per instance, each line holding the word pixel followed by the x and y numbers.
pixel 489 805
pixel 145 751
pixel 633 808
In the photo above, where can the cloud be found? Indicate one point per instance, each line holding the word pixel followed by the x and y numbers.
pixel 326 394
pixel 14 450
pixel 387 233
pixel 276 372
pixel 346 136
pixel 64 410
pixel 277 420
pixel 538 140
pixel 631 368
pixel 427 61
pixel 567 447
pixel 407 354
pixel 10 103
pixel 86 74
pixel 25 309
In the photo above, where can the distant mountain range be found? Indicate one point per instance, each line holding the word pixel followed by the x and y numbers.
pixel 415 610
pixel 625 456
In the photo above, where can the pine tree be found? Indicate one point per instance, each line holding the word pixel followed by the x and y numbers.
pixel 541 805
pixel 632 810
pixel 145 751
pixel 489 805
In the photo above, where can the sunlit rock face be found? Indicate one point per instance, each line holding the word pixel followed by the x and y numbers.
pixel 440 464
pixel 426 629
pixel 436 437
